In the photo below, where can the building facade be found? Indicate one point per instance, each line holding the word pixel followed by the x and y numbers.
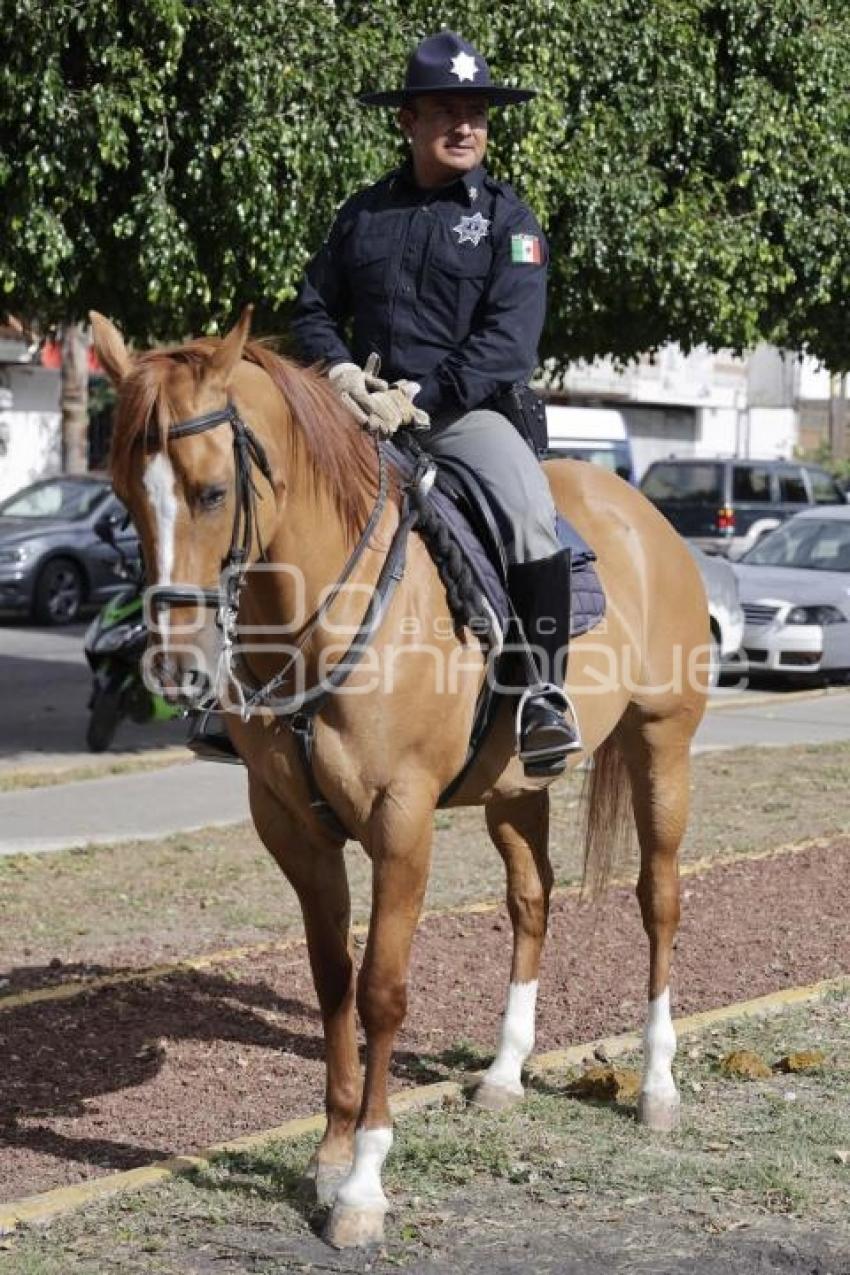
pixel 702 403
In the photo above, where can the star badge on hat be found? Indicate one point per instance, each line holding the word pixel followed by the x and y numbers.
pixel 464 67
pixel 472 229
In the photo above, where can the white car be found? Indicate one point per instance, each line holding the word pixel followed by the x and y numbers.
pixel 795 591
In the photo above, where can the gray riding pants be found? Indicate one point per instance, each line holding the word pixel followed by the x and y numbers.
pixel 506 467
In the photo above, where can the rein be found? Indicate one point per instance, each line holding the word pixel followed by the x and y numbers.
pixel 301 707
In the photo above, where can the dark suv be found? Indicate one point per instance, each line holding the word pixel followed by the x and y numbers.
pixel 725 506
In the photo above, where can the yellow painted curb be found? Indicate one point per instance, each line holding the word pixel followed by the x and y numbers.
pixel 759 699
pixel 153 973
pixel 612 1046
pixel 46 1207
pixel 39 1209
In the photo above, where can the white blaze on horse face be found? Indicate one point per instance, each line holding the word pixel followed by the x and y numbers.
pixel 161 486
pixel 517 1041
pixel 659 1049
pixel 362 1188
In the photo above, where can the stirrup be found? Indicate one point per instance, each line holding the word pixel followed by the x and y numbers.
pixel 209 743
pixel 548 761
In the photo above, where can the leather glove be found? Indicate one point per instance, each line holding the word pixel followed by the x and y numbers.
pixel 355 385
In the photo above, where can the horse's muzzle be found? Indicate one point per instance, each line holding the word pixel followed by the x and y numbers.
pixel 176 683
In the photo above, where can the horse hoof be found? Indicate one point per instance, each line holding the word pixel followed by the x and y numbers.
pixel 354 1228
pixel 661 1114
pixel 495 1097
pixel 321 1182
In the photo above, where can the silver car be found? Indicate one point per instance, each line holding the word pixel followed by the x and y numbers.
pixel 724 610
pixel 795 591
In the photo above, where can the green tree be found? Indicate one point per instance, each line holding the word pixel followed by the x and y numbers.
pixel 166 160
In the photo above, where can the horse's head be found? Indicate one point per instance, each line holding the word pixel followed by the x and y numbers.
pixel 193 458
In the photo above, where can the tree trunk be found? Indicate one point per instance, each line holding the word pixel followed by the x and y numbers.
pixel 74 401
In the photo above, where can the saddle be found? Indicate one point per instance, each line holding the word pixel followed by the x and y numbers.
pixel 466 535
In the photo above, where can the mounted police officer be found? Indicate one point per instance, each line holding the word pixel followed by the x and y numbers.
pixel 441 271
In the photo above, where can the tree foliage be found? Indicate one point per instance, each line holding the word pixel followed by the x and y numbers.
pixel 167 160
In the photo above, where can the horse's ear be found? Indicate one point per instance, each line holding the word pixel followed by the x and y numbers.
pixel 222 362
pixel 114 357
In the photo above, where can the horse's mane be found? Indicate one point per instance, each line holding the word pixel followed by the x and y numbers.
pixel 338 454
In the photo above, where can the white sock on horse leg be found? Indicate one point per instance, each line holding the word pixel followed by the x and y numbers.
pixel 362 1188
pixel 517 1040
pixel 659 1049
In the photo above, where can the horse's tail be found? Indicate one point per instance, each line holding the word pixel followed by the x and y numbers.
pixel 609 822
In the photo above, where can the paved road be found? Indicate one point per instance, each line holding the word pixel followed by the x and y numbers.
pixel 43 690
pixel 776 720
pixel 122 807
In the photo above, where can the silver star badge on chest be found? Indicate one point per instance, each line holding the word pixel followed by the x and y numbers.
pixel 472 229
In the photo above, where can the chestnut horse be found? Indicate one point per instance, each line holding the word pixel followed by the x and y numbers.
pixel 386 747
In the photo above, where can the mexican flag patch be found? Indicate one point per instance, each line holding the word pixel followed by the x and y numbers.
pixel 526 250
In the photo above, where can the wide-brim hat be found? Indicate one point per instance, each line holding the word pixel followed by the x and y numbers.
pixel 445 63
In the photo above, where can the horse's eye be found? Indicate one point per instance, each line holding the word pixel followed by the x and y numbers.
pixel 212 497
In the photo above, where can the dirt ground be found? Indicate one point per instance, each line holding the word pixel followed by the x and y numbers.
pixel 129 1074
pixel 757 1179
pixel 71 914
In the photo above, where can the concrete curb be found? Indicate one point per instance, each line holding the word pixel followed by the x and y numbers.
pixel 759 699
pixel 153 973
pixel 43 1208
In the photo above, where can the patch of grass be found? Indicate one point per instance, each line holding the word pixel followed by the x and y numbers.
pixel 15 780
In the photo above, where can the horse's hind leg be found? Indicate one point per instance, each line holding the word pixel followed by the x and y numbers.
pixel 520 831
pixel 316 870
pixel 657 753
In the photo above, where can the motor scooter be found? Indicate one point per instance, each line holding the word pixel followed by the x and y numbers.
pixel 114 645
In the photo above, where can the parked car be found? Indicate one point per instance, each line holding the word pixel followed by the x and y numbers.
pixel 725 613
pixel 795 591
pixel 51 561
pixel 726 506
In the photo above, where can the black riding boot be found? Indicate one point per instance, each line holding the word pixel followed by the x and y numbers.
pixel 546 729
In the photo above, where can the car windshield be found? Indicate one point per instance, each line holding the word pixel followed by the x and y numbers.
pixel 805 542
pixel 56 498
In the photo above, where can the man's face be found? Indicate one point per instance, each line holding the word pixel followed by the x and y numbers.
pixel 448 135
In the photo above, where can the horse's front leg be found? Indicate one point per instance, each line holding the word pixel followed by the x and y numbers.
pixel 315 867
pixel 399 840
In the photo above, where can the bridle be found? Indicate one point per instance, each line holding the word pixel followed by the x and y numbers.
pixel 248 451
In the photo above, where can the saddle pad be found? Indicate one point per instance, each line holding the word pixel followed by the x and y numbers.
pixel 588 597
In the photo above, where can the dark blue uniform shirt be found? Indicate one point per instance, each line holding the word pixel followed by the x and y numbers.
pixel 447 285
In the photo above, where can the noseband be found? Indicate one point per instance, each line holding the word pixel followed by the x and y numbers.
pixel 247 449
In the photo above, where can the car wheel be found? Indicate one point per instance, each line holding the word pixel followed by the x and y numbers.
pixel 58 592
